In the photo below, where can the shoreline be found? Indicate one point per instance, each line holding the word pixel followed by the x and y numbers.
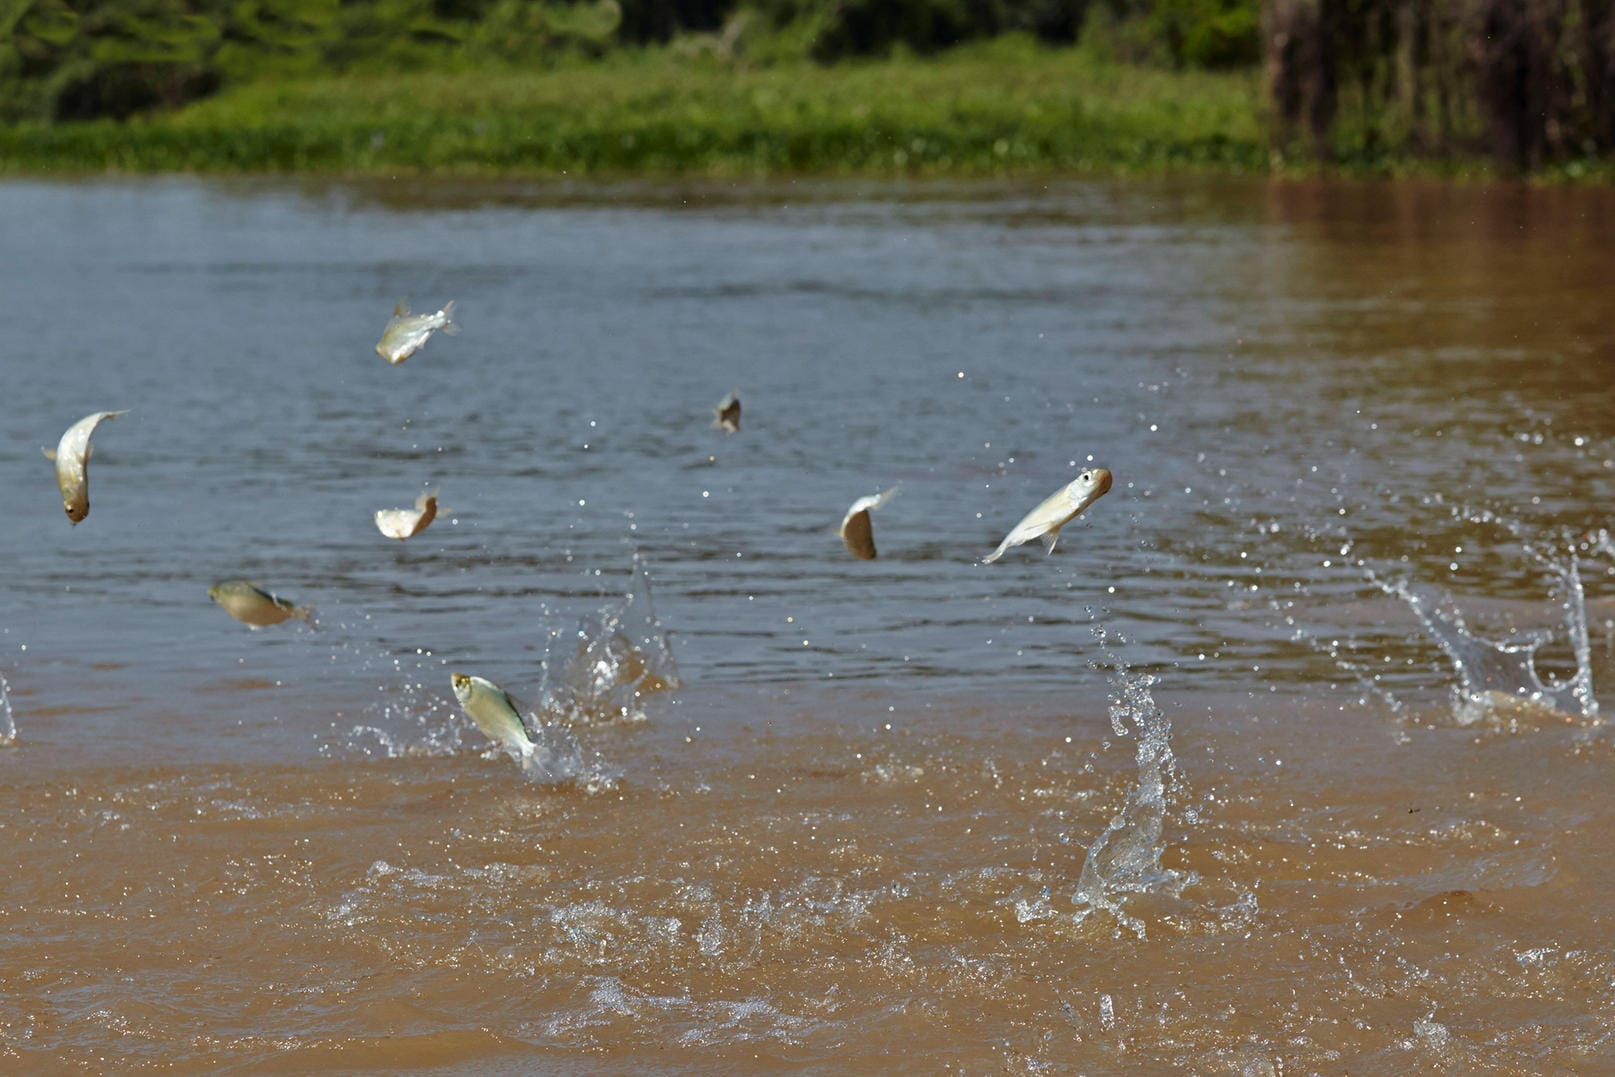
pixel 978 113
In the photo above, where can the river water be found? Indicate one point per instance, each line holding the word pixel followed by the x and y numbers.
pixel 1287 760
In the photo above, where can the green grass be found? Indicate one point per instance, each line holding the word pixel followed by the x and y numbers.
pixel 997 108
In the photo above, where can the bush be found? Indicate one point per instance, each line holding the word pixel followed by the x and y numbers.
pixel 78 59
pixel 1213 34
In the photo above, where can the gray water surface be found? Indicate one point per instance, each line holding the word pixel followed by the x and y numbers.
pixel 1271 371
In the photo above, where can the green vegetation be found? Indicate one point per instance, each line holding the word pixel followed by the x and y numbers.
pixel 739 87
pixel 83 59
pixel 1007 105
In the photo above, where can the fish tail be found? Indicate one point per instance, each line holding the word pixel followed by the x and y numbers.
pixel 449 326
pixel 996 554
pixel 305 613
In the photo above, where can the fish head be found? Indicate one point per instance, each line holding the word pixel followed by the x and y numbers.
pixel 463 687
pixel 1089 486
pixel 224 590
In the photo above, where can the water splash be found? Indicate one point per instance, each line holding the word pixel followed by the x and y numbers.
pixel 8 725
pixel 1126 858
pixel 1498 680
pixel 558 759
pixel 602 671
pixel 615 658
pixel 407 715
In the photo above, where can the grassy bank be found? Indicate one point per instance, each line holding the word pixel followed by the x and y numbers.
pixel 1005 106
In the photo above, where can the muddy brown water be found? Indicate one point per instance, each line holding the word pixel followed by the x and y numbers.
pixel 1199 792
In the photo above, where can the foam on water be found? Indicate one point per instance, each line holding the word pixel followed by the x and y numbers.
pixel 610 1002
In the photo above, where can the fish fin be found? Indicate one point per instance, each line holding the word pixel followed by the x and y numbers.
pixel 305 614
pixel 50 454
pixel 521 719
pixel 450 326
pixel 400 310
pixel 1048 539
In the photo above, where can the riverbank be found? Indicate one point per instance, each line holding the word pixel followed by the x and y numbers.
pixel 1002 107
pixel 1005 107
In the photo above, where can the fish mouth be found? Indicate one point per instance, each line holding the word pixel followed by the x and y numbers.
pixel 1101 478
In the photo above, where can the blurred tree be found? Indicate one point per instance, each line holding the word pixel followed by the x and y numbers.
pixel 1528 81
pixel 1206 33
pixel 646 21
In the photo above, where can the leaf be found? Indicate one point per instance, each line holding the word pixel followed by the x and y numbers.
pixel 52 22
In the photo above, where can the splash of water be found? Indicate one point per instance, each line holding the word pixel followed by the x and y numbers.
pixel 602 672
pixel 617 657
pixel 8 725
pixel 1126 858
pixel 1496 678
pixel 407 716
pixel 557 757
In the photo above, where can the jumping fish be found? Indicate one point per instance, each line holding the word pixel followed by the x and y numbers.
pixel 401 524
pixel 252 605
pixel 407 333
pixel 855 529
pixel 1045 521
pixel 496 714
pixel 726 416
pixel 72 457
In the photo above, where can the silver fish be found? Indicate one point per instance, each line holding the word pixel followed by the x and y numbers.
pixel 407 333
pixel 72 457
pixel 1045 521
pixel 252 605
pixel 726 416
pixel 401 524
pixel 855 529
pixel 496 714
